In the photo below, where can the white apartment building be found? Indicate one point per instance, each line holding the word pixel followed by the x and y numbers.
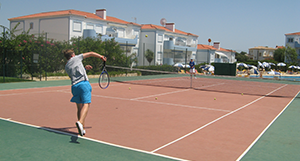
pixel 169 44
pixel 261 53
pixel 66 24
pixel 214 54
pixel 293 40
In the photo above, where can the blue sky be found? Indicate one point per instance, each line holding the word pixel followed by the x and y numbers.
pixel 236 24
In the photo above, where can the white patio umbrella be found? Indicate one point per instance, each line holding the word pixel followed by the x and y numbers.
pixel 186 66
pixel 281 64
pixel 178 65
pixel 260 64
pixel 267 65
pixel 272 64
pixel 242 65
pixel 252 66
pixel 210 68
pixel 293 67
pixel 202 66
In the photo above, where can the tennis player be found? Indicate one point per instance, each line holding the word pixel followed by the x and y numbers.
pixel 81 88
pixel 192 68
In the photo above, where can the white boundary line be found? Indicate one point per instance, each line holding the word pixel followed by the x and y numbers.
pixel 209 85
pixel 160 94
pixel 21 93
pixel 259 136
pixel 90 139
pixel 174 141
pixel 126 99
pixel 171 104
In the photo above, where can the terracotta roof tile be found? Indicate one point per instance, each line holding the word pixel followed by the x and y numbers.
pixel 72 12
pixel 227 50
pixel 209 47
pixel 296 33
pixel 157 27
pixel 262 48
pixel 205 47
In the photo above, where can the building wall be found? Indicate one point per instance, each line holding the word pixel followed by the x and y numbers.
pixel 20 28
pixel 147 43
pixel 59 31
pixel 294 42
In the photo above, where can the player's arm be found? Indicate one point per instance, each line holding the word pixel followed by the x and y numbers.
pixel 93 54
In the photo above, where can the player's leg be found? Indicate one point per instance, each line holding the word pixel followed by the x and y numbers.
pixel 82 110
pixel 79 107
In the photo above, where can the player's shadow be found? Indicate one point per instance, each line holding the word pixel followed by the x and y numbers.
pixel 74 140
pixel 64 131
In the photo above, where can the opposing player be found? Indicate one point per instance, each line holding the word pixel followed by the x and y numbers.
pixel 192 68
pixel 81 88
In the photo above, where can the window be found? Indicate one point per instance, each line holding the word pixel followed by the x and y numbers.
pixel 120 33
pixel 31 25
pixel 160 38
pixel 136 33
pixel 89 26
pixel 290 40
pixel 77 26
pixel 99 29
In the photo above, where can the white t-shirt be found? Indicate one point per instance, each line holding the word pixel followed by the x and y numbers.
pixel 76 70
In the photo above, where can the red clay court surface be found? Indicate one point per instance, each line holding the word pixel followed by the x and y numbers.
pixel 216 122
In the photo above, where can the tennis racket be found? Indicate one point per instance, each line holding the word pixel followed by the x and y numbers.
pixel 104 78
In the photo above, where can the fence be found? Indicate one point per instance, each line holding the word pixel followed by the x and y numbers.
pixel 27 56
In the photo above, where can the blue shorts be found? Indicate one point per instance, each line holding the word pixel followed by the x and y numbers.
pixel 82 92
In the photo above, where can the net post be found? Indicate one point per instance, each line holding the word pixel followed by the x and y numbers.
pixel 126 57
pixel 46 58
pixel 21 64
pixel 191 83
pixel 4 36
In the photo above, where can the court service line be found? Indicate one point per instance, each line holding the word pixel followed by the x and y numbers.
pixel 259 136
pixel 163 103
pixel 171 104
pixel 175 91
pixel 160 94
pixel 90 139
pixel 232 112
pixel 209 85
pixel 33 92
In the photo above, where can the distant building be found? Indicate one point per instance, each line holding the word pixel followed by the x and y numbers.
pixel 214 54
pixel 67 24
pixel 261 53
pixel 293 40
pixel 168 44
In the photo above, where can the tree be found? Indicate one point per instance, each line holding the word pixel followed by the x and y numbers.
pixel 279 54
pixel 17 52
pixel 291 55
pixel 241 57
pixel 149 55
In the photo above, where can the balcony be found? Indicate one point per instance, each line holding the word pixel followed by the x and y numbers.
pixel 297 45
pixel 121 41
pixel 171 46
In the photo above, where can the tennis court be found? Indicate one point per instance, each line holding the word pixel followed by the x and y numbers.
pixel 219 118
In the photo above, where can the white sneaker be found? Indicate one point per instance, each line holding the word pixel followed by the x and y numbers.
pixel 195 77
pixel 80 128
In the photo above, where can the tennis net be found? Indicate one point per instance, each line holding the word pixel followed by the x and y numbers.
pixel 176 78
